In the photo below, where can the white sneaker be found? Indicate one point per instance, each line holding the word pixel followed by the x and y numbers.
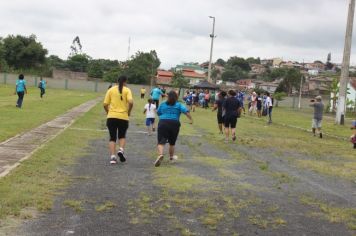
pixel 173 158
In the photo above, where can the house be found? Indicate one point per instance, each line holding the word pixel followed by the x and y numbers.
pixel 269 86
pixel 315 66
pixel 267 62
pixel 318 85
pixel 165 77
pixel 277 62
pixel 245 84
pixel 313 72
pixel 257 69
pixel 291 64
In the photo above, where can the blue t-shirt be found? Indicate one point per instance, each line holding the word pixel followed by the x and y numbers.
pixel 167 112
pixel 156 93
pixel 20 85
pixel 43 84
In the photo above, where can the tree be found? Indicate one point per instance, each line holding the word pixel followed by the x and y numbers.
pixel 178 80
pixel 95 69
pixel 291 80
pixel 252 60
pixel 142 67
pixel 220 62
pixel 238 63
pixel 21 52
pixel 334 90
pixel 78 62
pixel 3 63
pixel 76 47
pixel 113 74
pixel 279 97
pixel 54 61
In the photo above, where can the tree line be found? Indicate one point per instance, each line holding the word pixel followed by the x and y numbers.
pixel 24 54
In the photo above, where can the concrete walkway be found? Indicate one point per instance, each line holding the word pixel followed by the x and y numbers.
pixel 21 147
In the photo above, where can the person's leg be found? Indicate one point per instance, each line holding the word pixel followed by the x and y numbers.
pixel 313 126
pixel 110 123
pixel 161 139
pixel 171 151
pixel 220 128
pixel 233 128
pixel 123 125
pixel 20 100
pixel 319 129
pixel 270 115
pixel 160 149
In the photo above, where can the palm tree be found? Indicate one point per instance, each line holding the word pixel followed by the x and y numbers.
pixel 178 80
pixel 334 90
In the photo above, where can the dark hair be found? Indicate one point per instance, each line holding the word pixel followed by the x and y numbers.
pixel 222 94
pixel 21 76
pixel 172 98
pixel 232 93
pixel 267 93
pixel 121 80
pixel 150 101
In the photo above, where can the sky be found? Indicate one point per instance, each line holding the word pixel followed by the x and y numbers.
pixel 179 30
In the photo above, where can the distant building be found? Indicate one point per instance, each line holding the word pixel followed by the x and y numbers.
pixel 315 66
pixel 165 77
pixel 258 69
pixel 277 62
pixel 313 72
pixel 245 84
pixel 269 86
pixel 318 85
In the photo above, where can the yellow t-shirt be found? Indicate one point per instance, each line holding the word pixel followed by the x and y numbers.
pixel 143 91
pixel 118 108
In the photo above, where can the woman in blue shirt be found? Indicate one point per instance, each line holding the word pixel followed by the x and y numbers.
pixel 20 90
pixel 169 125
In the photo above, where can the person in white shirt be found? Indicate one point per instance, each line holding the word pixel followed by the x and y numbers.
pixel 150 111
pixel 269 106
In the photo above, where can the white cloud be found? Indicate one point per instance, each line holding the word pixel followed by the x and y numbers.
pixel 179 30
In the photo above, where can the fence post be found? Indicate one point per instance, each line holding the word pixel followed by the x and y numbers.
pixel 96 86
pixel 293 101
pixel 36 81
pixel 5 78
pixel 66 84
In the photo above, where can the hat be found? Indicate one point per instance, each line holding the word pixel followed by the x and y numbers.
pixel 318 98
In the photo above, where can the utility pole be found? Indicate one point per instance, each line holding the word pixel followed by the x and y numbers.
pixel 344 80
pixel 300 92
pixel 128 49
pixel 212 36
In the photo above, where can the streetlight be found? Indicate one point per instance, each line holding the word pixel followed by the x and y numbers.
pixel 212 36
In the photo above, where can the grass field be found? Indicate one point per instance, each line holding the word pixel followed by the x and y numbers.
pixel 33 185
pixel 35 110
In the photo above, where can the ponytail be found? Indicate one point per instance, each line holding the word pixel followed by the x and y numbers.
pixel 121 80
pixel 149 104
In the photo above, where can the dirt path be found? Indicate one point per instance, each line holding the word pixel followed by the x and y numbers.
pixel 20 147
pixel 214 189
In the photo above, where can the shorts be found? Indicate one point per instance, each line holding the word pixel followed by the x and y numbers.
pixel 259 108
pixel 142 95
pixel 150 121
pixel 316 123
pixel 117 128
pixel 168 131
pixel 230 121
pixel 220 118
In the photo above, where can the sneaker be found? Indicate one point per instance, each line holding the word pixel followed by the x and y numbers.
pixel 153 129
pixel 234 138
pixel 120 154
pixel 173 158
pixel 158 161
pixel 321 135
pixel 113 160
pixel 226 141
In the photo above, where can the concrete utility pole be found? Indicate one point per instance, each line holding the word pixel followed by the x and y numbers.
pixel 212 36
pixel 300 92
pixel 344 80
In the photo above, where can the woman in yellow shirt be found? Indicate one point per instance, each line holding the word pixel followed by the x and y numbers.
pixel 118 104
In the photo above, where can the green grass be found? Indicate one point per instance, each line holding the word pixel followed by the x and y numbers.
pixel 35 111
pixel 74 204
pixel 106 206
pixel 36 181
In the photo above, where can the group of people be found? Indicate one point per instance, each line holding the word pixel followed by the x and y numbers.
pixel 118 105
pixel 21 90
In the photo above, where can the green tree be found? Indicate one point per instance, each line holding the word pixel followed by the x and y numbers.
pixel 3 63
pixel 54 61
pixel 237 63
pixel 291 80
pixel 113 74
pixel 279 97
pixel 78 62
pixel 21 52
pixel 95 69
pixel 178 80
pixel 220 62
pixel 252 60
pixel 334 89
pixel 142 67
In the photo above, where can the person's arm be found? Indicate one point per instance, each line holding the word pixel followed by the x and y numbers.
pixel 215 107
pixel 25 88
pixel 107 101
pixel 144 111
pixel 129 101
pixel 189 117
pixel 130 107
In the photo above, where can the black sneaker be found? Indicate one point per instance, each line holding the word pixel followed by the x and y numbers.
pixel 321 135
pixel 153 129
pixel 234 138
pixel 120 154
pixel 158 160
pixel 113 160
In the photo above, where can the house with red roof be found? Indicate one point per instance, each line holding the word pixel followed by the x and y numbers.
pixel 165 77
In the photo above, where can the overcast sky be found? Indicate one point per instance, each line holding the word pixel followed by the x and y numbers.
pixel 179 30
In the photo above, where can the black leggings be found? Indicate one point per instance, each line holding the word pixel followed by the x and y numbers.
pixel 168 131
pixel 117 128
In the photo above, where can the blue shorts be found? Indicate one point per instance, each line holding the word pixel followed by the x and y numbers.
pixel 150 121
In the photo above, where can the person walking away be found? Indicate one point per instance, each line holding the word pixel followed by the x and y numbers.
pixel 150 111
pixel 206 99
pixel 168 127
pixel 195 100
pixel 232 109
pixel 20 90
pixel 118 104
pixel 155 95
pixel 241 96
pixel 143 92
pixel 218 106
pixel 42 86
pixel 259 105
pixel 269 107
pixel 318 106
